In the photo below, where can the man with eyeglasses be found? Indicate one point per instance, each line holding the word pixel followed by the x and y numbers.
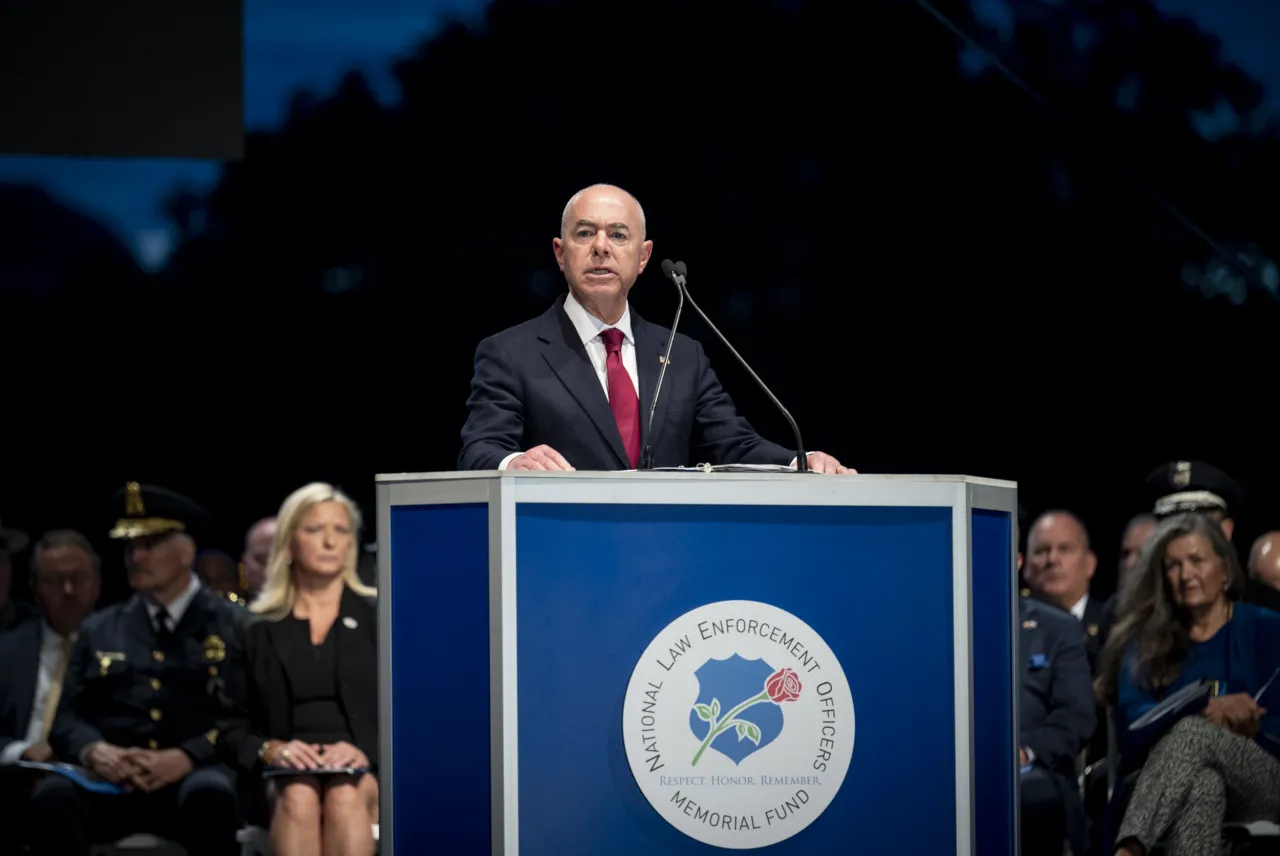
pixel 33 656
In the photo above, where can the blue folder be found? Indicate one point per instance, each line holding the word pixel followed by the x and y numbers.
pixel 79 775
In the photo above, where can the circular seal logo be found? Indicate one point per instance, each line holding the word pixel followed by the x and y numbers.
pixel 738 724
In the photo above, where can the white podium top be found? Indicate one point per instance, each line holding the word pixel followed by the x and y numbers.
pixel 698 488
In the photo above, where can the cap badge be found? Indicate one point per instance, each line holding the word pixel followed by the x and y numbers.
pixel 133 506
pixel 1181 474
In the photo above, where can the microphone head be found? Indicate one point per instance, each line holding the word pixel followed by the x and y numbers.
pixel 668 267
pixel 681 269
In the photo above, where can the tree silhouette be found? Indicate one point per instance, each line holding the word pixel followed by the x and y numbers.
pixel 938 274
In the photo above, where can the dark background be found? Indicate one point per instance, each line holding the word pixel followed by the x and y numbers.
pixel 122 77
pixel 935 273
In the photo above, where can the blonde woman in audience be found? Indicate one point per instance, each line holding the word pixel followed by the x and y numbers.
pixel 310 704
pixel 1181 621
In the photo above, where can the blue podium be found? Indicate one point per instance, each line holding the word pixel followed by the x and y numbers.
pixel 683 663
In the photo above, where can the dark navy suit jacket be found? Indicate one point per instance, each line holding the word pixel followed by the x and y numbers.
pixel 19 668
pixel 1056 712
pixel 535 384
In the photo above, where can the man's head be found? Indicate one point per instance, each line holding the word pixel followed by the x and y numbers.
pixel 218 571
pixel 1136 533
pixel 602 248
pixel 1181 487
pixel 65 578
pixel 257 550
pixel 1059 563
pixel 156 525
pixel 1264 560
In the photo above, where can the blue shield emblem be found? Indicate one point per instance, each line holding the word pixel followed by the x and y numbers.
pixel 723 687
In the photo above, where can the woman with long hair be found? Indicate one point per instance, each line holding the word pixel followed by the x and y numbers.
pixel 309 711
pixel 1181 621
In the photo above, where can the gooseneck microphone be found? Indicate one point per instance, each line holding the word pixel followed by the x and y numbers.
pixel 678 275
pixel 646 456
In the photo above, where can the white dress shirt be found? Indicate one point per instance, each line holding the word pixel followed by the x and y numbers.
pixel 178 607
pixel 50 655
pixel 589 329
pixel 1078 609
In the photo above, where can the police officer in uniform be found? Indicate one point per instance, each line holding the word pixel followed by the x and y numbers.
pixel 1179 487
pixel 144 686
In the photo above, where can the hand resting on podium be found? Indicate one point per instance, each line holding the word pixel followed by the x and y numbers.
pixel 546 459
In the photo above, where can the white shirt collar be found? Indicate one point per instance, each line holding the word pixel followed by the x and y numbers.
pixel 1078 609
pixel 589 326
pixel 179 605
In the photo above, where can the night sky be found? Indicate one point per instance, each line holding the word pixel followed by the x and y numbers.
pixel 295 44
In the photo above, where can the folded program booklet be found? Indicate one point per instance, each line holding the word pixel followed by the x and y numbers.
pixel 1192 698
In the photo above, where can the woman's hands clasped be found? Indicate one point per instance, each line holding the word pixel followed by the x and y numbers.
pixel 1237 712
pixel 298 755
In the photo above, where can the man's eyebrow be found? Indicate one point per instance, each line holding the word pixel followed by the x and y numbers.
pixel 588 223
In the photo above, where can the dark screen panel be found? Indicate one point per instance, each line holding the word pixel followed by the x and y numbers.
pixel 122 78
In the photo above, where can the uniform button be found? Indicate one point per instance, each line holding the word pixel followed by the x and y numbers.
pixel 155 683
pixel 159 655
pixel 151 744
pixel 155 715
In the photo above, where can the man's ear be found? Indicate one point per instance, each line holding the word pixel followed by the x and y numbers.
pixel 557 247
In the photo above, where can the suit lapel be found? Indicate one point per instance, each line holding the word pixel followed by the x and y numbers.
pixel 650 346
pixel 567 356
pixel 139 622
pixel 278 644
pixel 24 694
pixel 353 628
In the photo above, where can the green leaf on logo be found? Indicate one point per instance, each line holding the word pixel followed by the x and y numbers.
pixel 742 730
pixel 715 708
pixel 704 712
pixel 753 733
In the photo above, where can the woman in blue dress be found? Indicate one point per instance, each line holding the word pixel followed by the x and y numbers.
pixel 1182 622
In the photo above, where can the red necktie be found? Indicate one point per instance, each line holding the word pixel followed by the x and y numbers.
pixel 623 400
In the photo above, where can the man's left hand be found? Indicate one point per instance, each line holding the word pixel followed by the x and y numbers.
pixel 821 462
pixel 160 769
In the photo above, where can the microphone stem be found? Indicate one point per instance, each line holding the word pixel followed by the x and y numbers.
pixel 646 457
pixel 802 463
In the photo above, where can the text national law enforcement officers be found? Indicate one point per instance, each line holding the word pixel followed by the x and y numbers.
pixel 141 694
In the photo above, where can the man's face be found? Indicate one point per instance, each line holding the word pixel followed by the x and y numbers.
pixel 257 550
pixel 602 250
pixel 66 586
pixel 1059 563
pixel 155 562
pixel 1131 545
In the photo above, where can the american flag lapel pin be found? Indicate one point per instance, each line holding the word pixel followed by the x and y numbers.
pixel 662 359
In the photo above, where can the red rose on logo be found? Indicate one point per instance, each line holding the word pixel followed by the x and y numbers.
pixel 783 685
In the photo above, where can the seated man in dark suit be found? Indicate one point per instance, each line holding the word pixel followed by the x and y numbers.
pixel 1056 717
pixel 143 691
pixel 571 389
pixel 33 661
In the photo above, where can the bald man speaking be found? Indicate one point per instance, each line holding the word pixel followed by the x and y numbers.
pixel 571 389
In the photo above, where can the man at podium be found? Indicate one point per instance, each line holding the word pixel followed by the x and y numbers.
pixel 571 389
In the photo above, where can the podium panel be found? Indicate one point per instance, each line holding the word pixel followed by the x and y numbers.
pixel 515 610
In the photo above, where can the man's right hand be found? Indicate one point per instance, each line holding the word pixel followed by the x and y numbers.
pixel 541 458
pixel 41 753
pixel 110 762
